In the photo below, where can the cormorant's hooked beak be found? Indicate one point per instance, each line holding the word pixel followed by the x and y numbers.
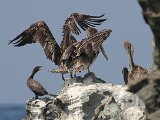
pixel 41 68
pixel 103 52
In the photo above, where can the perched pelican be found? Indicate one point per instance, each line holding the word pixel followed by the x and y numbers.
pixel 80 55
pixel 35 86
pixel 40 32
pixel 136 72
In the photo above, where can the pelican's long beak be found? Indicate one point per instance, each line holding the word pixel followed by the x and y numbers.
pixel 103 52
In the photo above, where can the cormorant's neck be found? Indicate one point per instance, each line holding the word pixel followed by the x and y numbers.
pixel 32 75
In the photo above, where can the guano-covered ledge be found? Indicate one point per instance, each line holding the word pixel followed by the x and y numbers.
pixel 87 98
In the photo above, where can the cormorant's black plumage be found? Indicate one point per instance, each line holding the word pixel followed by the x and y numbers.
pixel 34 85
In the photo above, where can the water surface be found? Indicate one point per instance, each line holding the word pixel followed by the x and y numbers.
pixel 12 112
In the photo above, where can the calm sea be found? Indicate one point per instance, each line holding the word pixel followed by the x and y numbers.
pixel 12 112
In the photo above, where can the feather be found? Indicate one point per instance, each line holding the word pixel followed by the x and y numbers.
pixel 72 24
pixel 136 72
pixel 39 32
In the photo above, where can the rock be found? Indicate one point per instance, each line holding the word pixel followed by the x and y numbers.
pixel 149 91
pixel 42 109
pixel 88 98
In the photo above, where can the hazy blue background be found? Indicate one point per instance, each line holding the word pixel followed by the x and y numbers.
pixel 16 64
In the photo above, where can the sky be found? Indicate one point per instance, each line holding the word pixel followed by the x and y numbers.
pixel 16 64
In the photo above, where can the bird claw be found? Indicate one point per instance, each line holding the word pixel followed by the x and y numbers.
pixel 51 70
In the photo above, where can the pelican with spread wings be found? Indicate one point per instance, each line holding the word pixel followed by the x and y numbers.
pixel 40 32
pixel 79 56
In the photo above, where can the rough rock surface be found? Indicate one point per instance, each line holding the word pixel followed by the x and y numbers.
pixel 88 98
pixel 148 89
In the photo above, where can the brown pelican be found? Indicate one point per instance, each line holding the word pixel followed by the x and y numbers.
pixel 91 31
pixel 34 85
pixel 40 32
pixel 80 55
pixel 136 72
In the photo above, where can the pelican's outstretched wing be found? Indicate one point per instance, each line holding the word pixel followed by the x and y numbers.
pixel 94 40
pixel 82 53
pixel 85 47
pixel 72 24
pixel 39 32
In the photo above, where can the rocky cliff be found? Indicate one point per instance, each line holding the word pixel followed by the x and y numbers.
pixel 88 98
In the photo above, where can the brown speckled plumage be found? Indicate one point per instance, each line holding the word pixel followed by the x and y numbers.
pixel 136 72
pixel 40 32
pixel 80 55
